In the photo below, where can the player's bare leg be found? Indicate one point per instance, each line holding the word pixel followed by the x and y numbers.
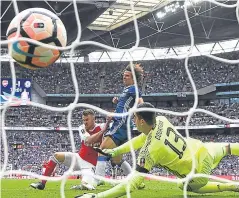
pixel 109 143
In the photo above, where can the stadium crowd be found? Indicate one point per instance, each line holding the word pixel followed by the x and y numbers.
pixel 160 75
pixel 24 116
pixel 93 78
pixel 39 146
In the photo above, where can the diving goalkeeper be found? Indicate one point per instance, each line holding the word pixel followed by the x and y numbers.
pixel 161 145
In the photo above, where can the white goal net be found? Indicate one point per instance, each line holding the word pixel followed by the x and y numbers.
pixel 5 168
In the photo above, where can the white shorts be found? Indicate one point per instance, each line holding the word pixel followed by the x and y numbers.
pixel 86 168
pixel 80 163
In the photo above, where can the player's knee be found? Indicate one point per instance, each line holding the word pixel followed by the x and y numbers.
pixel 107 143
pixel 103 145
pixel 59 157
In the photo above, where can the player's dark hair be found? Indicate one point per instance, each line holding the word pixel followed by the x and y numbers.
pixel 88 112
pixel 138 70
pixel 148 116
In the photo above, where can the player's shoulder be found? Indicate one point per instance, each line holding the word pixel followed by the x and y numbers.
pixel 132 89
pixel 99 125
pixel 161 118
pixel 162 122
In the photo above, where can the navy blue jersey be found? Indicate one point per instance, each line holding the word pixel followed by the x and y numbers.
pixel 126 100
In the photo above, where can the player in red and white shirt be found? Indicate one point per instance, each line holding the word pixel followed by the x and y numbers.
pixel 91 135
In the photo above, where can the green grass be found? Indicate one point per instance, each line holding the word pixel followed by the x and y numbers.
pixel 11 188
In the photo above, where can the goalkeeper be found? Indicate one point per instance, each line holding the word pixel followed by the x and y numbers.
pixel 163 146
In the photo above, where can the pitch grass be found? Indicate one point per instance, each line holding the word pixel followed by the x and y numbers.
pixel 11 188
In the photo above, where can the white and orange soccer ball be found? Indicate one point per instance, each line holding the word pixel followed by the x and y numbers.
pixel 41 25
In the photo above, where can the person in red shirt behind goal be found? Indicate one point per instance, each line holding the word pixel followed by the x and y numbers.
pixel 91 135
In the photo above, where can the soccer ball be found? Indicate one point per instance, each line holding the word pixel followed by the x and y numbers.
pixel 41 25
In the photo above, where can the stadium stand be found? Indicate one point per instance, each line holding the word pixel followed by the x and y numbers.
pixel 22 116
pixel 161 75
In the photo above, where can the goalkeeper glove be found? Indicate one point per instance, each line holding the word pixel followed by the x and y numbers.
pixel 112 152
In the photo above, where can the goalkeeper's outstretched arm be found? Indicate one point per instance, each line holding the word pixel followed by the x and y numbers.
pixel 121 188
pixel 137 143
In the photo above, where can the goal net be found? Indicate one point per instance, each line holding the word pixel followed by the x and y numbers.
pixel 7 169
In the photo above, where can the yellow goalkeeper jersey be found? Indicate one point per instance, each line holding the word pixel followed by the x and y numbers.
pixel 165 147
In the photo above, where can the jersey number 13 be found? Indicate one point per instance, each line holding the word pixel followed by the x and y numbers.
pixel 178 145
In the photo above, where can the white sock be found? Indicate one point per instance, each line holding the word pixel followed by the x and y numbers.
pixel 101 165
pixel 125 167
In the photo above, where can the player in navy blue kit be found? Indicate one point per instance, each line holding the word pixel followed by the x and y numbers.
pixel 117 135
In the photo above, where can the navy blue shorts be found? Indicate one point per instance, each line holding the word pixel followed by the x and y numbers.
pixel 118 132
